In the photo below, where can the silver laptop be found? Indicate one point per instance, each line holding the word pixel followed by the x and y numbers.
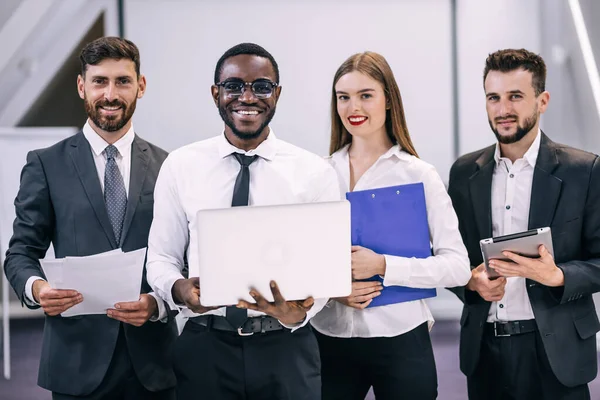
pixel 305 248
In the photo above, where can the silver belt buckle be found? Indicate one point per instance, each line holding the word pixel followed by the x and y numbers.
pixel 496 331
pixel 239 331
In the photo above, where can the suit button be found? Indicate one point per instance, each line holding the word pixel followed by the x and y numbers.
pixel 508 207
pixel 501 306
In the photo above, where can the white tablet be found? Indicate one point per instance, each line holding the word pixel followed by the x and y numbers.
pixel 523 243
pixel 305 248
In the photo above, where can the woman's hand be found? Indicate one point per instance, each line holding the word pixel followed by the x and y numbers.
pixel 366 263
pixel 362 294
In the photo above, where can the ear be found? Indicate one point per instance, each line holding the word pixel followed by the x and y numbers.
pixel 543 101
pixel 141 86
pixel 277 93
pixel 80 86
pixel 214 91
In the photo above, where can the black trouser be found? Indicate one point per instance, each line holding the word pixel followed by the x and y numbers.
pixel 516 367
pixel 219 365
pixel 400 367
pixel 120 381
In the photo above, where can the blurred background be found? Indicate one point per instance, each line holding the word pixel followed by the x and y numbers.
pixel 436 48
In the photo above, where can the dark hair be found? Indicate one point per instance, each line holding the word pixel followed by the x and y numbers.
pixel 110 47
pixel 245 48
pixel 375 66
pixel 508 60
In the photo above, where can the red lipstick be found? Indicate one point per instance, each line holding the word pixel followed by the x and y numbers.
pixel 356 120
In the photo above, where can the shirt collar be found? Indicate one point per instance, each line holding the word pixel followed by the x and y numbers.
pixel 98 144
pixel 530 155
pixel 267 149
pixel 394 151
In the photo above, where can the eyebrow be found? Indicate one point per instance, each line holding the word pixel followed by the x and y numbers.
pixel 106 77
pixel 510 92
pixel 360 91
pixel 235 78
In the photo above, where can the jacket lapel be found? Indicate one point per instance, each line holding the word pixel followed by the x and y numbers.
pixel 81 154
pixel 546 187
pixel 139 166
pixel 480 187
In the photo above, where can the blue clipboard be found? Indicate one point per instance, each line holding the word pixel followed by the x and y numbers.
pixel 392 220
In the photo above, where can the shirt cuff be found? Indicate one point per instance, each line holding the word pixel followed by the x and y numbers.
pixel 165 290
pixel 28 298
pixel 162 310
pixel 398 271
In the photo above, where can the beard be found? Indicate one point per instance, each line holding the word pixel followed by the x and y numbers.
pixel 110 123
pixel 522 129
pixel 245 135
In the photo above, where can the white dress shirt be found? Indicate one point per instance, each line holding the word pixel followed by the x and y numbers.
pixel 123 160
pixel 448 267
pixel 202 176
pixel 511 196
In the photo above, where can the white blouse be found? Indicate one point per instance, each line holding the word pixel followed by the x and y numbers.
pixel 448 267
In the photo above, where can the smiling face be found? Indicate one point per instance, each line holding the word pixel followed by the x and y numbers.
pixel 110 90
pixel 361 104
pixel 513 108
pixel 246 116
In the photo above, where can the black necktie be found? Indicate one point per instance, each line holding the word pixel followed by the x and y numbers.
pixel 237 316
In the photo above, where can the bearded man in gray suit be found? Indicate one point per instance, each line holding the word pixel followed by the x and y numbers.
pixel 88 194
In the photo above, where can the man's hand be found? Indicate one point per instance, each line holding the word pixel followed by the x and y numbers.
pixel 287 312
pixel 542 270
pixel 187 292
pixel 135 313
pixel 489 290
pixel 362 294
pixel 54 301
pixel 366 263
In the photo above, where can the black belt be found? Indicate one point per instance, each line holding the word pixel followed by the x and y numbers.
pixel 510 328
pixel 262 324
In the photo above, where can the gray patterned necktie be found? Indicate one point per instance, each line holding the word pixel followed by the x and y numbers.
pixel 115 196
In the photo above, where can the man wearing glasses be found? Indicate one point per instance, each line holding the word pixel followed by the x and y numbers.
pixel 256 351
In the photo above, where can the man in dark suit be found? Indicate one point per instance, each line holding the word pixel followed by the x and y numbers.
pixel 89 194
pixel 531 333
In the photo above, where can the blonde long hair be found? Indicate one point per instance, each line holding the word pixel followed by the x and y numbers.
pixel 375 66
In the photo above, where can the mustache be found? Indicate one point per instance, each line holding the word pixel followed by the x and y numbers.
pixel 506 117
pixel 114 103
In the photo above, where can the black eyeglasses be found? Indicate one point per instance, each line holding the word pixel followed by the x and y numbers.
pixel 262 88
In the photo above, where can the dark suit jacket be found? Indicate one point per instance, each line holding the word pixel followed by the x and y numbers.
pixel 565 196
pixel 60 200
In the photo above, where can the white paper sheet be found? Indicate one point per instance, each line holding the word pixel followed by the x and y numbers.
pixel 103 279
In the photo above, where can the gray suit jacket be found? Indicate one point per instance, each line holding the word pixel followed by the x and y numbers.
pixel 565 196
pixel 60 200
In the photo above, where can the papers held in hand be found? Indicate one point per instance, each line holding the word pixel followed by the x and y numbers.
pixel 102 279
pixel 525 244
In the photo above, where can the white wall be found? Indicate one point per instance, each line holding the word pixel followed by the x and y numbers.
pixel 181 42
pixel 7 8
pixel 485 26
